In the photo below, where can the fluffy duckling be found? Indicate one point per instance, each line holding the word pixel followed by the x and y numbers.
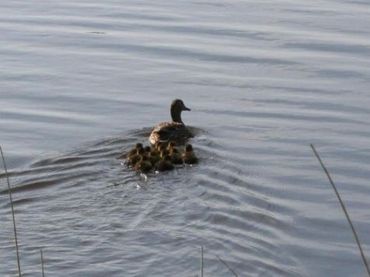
pixel 154 156
pixel 162 147
pixel 132 152
pixel 175 156
pixel 159 144
pixel 147 150
pixel 170 146
pixel 188 156
pixel 163 154
pixel 133 159
pixel 164 163
pixel 143 165
pixel 135 150
pixel 154 151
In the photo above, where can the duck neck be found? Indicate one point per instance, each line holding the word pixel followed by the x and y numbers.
pixel 176 116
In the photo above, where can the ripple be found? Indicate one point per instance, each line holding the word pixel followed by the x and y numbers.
pixel 263 81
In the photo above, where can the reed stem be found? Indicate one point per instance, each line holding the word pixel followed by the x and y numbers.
pixel 13 215
pixel 42 263
pixel 201 261
pixel 343 208
pixel 231 270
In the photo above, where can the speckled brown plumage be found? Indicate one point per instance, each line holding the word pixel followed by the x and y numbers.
pixel 172 131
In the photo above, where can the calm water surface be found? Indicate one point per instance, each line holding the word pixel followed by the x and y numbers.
pixel 82 81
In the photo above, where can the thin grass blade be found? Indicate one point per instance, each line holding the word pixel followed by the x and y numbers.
pixel 343 208
pixel 42 263
pixel 231 270
pixel 13 214
pixel 201 261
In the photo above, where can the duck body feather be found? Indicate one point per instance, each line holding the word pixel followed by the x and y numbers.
pixel 170 131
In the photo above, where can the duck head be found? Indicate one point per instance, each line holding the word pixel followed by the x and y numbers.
pixel 177 107
pixel 188 148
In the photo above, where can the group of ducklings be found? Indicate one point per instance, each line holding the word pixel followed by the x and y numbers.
pixel 162 156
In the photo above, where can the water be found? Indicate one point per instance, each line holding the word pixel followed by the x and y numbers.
pixel 82 81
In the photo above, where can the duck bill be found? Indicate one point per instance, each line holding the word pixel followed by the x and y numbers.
pixel 185 108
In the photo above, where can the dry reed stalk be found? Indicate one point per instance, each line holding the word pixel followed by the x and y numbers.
pixel 343 208
pixel 42 263
pixel 12 207
pixel 201 261
pixel 231 270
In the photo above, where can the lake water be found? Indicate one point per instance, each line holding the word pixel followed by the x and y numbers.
pixel 83 81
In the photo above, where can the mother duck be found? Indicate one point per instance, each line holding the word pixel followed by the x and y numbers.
pixel 172 131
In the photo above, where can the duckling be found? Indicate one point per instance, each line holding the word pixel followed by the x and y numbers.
pixel 147 149
pixel 159 144
pixel 143 165
pixel 164 164
pixel 175 156
pixel 175 130
pixel 154 150
pixel 154 157
pixel 163 153
pixel 170 146
pixel 188 156
pixel 133 159
pixel 162 147
pixel 132 152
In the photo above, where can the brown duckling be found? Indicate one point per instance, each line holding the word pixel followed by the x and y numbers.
pixel 159 144
pixel 154 151
pixel 188 156
pixel 143 165
pixel 133 159
pixel 135 150
pixel 147 149
pixel 162 147
pixel 171 145
pixel 163 154
pixel 132 152
pixel 175 156
pixel 164 163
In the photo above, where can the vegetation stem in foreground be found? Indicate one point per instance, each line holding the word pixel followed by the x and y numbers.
pixel 201 261
pixel 229 268
pixel 343 208
pixel 12 207
pixel 42 263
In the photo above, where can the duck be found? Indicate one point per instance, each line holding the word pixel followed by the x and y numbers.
pixel 172 131
pixel 188 156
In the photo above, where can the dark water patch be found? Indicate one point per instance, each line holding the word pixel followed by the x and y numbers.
pixel 332 73
pixel 333 48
